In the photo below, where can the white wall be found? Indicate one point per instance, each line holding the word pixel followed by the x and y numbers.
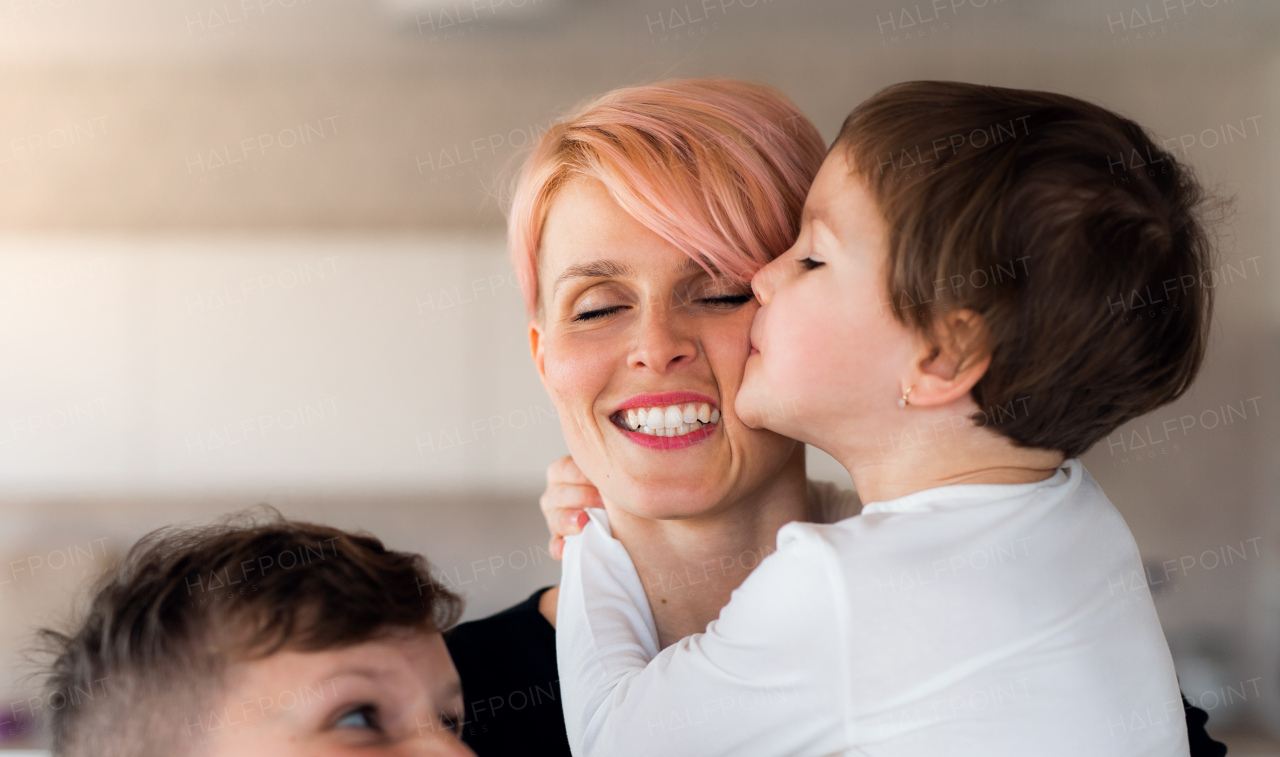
pixel 237 363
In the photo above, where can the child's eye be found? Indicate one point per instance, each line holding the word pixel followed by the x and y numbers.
pixel 811 263
pixel 592 315
pixel 362 717
pixel 451 722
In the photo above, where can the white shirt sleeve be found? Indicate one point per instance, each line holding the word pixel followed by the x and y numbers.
pixel 769 677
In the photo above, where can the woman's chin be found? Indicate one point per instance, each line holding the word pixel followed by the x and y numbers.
pixel 670 501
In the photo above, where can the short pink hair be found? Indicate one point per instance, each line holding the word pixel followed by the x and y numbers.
pixel 718 168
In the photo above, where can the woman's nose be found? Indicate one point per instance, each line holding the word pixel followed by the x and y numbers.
pixel 662 343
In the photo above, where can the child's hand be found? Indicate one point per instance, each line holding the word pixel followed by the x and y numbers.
pixel 568 494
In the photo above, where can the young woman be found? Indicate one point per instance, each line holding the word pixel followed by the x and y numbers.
pixel 635 229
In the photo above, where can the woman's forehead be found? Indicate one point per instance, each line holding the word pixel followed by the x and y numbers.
pixel 588 234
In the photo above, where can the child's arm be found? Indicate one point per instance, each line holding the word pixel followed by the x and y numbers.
pixel 767 678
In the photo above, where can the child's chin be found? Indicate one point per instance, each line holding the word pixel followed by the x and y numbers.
pixel 747 408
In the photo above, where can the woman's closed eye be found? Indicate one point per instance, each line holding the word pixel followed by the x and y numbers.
pixel 728 300
pixel 811 263
pixel 591 315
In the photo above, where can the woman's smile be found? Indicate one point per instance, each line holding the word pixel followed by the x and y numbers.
pixel 671 420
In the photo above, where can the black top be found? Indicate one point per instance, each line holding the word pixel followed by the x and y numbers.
pixel 507 663
pixel 1201 744
pixel 510 687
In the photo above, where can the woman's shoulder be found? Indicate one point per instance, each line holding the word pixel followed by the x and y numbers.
pixel 507 663
pixel 829 503
pixel 516 638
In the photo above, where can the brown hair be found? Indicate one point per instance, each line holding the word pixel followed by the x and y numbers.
pixel 162 626
pixel 1053 219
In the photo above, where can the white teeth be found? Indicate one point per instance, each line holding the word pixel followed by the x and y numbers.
pixel 672 420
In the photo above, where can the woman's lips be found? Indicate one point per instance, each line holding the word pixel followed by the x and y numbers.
pixel 667 420
pixel 670 442
pixel 664 399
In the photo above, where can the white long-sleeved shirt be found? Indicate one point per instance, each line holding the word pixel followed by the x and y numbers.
pixel 972 619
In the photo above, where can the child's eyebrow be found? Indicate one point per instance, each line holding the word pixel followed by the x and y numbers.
pixel 811 215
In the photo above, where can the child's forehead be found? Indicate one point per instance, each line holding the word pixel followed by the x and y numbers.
pixel 840 199
pixel 405 659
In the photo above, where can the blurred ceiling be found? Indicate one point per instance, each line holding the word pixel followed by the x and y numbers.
pixel 405 114
pixel 210 30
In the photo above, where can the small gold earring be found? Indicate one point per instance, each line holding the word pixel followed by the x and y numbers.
pixel 902 401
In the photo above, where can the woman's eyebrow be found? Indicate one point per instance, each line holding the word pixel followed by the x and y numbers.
pixel 596 269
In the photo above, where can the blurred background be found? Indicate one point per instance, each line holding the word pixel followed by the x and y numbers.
pixel 251 251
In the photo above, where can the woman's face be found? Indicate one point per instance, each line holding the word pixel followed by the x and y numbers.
pixel 634 334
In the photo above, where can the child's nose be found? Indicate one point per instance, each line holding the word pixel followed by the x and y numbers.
pixel 765 282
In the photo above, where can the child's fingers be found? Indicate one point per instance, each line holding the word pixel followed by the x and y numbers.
pixel 557 548
pixel 561 505
pixel 566 471
pixel 568 494
pixel 571 522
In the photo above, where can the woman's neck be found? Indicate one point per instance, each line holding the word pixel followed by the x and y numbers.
pixel 689 567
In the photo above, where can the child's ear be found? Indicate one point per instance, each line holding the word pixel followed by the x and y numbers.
pixel 952 359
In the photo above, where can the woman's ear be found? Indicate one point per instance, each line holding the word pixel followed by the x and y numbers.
pixel 536 348
pixel 952 359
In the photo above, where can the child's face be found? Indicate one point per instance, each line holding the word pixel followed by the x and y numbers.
pixel 399 695
pixel 827 356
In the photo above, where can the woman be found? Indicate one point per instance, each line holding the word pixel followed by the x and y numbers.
pixel 635 228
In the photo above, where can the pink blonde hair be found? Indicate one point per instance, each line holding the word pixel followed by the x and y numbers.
pixel 718 168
